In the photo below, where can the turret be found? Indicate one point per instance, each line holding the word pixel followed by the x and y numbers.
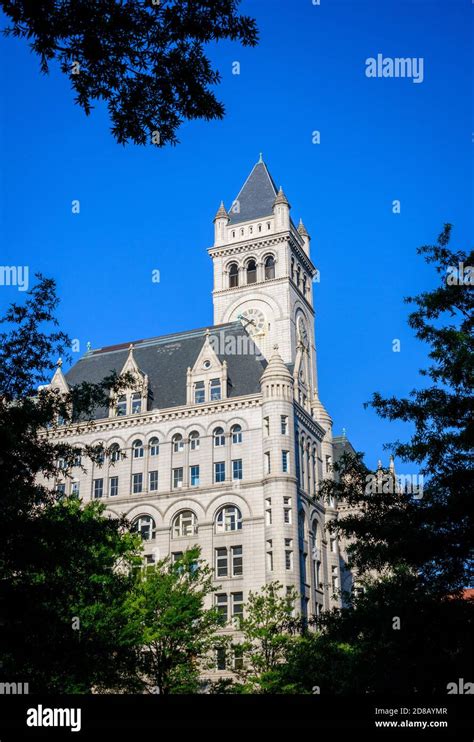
pixel 281 210
pixel 221 221
pixel 305 236
pixel 280 489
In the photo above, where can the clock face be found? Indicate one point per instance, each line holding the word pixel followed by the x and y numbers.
pixel 254 321
pixel 303 333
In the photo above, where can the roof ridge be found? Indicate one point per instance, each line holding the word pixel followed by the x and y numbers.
pixel 157 339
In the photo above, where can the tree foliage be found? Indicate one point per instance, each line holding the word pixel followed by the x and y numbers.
pixel 64 569
pixel 177 632
pixel 144 58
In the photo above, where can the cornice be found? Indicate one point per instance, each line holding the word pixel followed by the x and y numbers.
pixel 155 416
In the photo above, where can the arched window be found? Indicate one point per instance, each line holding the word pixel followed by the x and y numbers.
pixel 219 437
pixel 304 284
pixel 292 269
pixel 269 268
pixel 194 440
pixel 114 452
pixel 233 275
pixel 228 518
pixel 136 403
pixel 137 447
pixel 251 271
pixel 145 526
pixel 236 431
pixel 121 408
pixel 154 446
pixel 178 443
pixel 185 524
pixel 298 276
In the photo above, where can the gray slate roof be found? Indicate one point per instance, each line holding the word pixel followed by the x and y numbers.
pixel 256 196
pixel 166 359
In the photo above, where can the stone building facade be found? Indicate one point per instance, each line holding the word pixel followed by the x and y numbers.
pixel 223 439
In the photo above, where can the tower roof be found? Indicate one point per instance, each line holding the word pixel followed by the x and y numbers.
pixel 256 197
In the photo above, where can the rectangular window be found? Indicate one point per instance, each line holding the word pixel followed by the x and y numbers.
pixel 238 658
pixel 221 658
pixel 237 606
pixel 176 556
pixel 98 487
pixel 221 604
pixel 113 486
pixel 75 489
pixel 333 543
pixel 284 424
pixel 328 463
pixel 334 579
pixel 136 404
pixel 219 471
pixel 266 425
pixel 178 477
pixel 237 469
pixel 61 489
pixel 237 561
pixel 194 476
pixel 270 555
pixel 121 406
pixel 288 553
pixel 268 463
pixel 153 481
pixel 215 389
pixel 137 480
pixel 222 567
pixel 199 392
pixel 287 516
pixel 285 461
pixel 268 511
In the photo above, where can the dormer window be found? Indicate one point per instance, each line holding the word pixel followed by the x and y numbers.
pixel 136 403
pixel 269 268
pixel 233 233
pixel 121 406
pixel 250 230
pixel 215 389
pixel 199 392
pixel 242 232
pixel 233 276
pixel 268 225
pixel 259 227
pixel 251 272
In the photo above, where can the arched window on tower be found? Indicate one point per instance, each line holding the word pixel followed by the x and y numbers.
pixel 269 268
pixel 292 269
pixel 251 272
pixel 233 275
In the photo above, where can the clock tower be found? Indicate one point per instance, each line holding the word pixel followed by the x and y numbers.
pixel 263 274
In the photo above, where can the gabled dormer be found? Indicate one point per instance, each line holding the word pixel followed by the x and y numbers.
pixel 207 379
pixel 59 380
pixel 132 400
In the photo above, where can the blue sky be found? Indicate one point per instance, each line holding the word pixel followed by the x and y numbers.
pixel 146 208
